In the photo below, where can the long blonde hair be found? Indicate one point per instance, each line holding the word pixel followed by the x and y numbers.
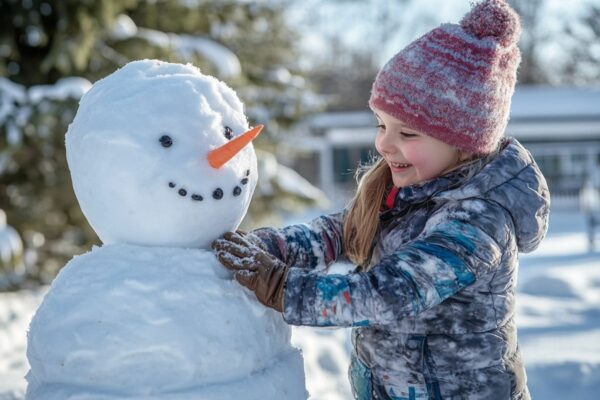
pixel 361 223
pixel 362 220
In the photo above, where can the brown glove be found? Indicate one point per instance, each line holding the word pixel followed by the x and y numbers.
pixel 254 268
pixel 253 239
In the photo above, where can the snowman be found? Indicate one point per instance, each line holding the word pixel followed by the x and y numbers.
pixel 162 164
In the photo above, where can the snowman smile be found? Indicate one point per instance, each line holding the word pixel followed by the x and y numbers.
pixel 216 194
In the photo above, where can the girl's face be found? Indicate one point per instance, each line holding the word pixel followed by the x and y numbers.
pixel 412 156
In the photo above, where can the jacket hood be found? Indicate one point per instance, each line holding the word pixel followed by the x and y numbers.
pixel 512 180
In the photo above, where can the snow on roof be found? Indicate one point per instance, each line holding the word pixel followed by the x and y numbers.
pixel 528 102
pixel 555 102
pixel 535 113
pixel 328 120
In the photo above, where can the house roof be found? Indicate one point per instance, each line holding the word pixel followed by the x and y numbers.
pixel 538 113
pixel 532 102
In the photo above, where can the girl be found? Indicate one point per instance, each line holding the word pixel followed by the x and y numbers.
pixel 435 227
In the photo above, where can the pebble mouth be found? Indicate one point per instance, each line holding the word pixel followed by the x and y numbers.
pixel 217 193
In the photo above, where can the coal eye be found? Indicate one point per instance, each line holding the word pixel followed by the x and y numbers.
pixel 166 141
pixel 228 133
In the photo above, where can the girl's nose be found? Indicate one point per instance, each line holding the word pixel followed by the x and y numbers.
pixel 219 156
pixel 387 144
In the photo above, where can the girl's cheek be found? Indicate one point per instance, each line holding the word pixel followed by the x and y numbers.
pixel 423 162
pixel 414 154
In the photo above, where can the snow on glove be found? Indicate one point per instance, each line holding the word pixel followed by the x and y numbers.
pixel 253 239
pixel 253 268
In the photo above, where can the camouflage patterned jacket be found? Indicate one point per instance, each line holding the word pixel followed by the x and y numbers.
pixel 434 316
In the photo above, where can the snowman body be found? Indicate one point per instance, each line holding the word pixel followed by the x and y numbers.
pixel 127 321
pixel 152 314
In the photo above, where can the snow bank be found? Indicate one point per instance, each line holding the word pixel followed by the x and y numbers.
pixel 559 335
pixel 558 313
pixel 127 321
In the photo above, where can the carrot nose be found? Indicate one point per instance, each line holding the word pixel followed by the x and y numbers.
pixel 219 156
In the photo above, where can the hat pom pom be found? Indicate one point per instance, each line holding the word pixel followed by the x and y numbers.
pixel 494 19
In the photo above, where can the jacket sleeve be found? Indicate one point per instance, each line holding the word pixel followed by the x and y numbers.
pixel 459 243
pixel 317 243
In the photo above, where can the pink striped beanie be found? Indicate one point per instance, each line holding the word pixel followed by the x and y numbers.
pixel 455 83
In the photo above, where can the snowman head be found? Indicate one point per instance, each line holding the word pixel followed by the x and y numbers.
pixel 160 155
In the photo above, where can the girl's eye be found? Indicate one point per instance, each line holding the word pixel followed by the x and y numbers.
pixel 228 133
pixel 381 126
pixel 408 135
pixel 166 141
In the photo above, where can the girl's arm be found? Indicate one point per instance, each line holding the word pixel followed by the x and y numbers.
pixel 459 243
pixel 307 246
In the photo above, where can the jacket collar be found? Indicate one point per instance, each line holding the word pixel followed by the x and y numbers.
pixel 421 192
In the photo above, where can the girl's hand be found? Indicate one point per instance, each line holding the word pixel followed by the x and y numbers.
pixel 253 268
pixel 252 238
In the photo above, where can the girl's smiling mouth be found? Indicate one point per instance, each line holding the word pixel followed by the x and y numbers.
pixel 399 167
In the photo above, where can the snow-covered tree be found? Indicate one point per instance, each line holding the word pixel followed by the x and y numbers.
pixel 584 41
pixel 44 43
pixel 12 268
pixel 531 70
pixel 44 40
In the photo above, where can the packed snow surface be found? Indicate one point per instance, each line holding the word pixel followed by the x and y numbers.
pixel 137 151
pixel 126 321
pixel 559 330
pixel 152 314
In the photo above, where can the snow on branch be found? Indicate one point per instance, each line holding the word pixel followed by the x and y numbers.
pixel 186 46
pixel 17 102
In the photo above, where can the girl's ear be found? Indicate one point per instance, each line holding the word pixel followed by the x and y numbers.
pixel 463 155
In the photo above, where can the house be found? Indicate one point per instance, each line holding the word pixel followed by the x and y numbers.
pixel 559 126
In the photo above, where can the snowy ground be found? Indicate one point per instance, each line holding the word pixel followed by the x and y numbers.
pixel 558 318
pixel 558 313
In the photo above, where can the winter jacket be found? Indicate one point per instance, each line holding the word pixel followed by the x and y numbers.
pixel 434 316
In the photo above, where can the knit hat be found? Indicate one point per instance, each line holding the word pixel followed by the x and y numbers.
pixel 455 83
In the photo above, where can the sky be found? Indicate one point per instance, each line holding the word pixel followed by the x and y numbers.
pixel 369 24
